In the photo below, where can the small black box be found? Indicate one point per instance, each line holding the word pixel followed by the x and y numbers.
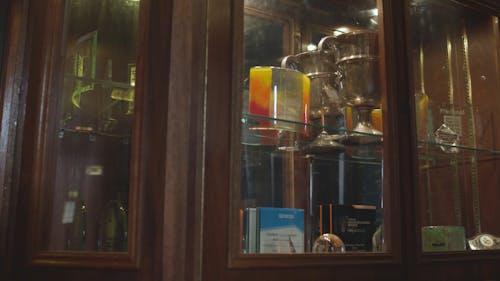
pixel 353 224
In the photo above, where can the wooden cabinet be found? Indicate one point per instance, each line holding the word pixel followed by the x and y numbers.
pixel 140 120
pixel 39 61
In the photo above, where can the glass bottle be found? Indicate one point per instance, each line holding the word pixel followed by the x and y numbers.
pixel 75 216
pixel 112 236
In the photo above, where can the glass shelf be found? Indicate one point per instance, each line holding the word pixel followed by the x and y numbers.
pixel 103 82
pixel 432 154
pixel 91 133
pixel 293 135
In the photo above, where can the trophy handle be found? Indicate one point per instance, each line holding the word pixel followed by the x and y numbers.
pixel 327 44
pixel 290 62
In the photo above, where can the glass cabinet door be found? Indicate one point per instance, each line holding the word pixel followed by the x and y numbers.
pixel 456 81
pixel 90 114
pixel 311 151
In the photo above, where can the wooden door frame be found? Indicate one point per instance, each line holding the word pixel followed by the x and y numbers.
pixel 168 150
pixel 13 92
pixel 222 88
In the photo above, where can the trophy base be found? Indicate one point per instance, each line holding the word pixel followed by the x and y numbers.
pixel 325 143
pixel 364 134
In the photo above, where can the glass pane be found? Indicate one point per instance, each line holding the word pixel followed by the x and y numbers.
pixel 456 82
pixel 311 143
pixel 95 111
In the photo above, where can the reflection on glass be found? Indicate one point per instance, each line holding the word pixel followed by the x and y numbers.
pixel 456 105
pixel 298 199
pixel 95 112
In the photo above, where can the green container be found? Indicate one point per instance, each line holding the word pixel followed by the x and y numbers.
pixel 443 238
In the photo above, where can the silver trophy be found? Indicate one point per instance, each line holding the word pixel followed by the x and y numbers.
pixel 358 80
pixel 325 102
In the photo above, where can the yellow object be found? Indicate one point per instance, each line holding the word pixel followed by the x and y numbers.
pixel 348 118
pixel 377 121
pixel 422 113
pixel 281 95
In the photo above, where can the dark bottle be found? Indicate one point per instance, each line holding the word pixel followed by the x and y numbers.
pixel 113 227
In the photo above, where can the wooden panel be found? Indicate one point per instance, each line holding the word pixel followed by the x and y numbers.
pixel 53 273
pixel 456 272
pixel 4 8
pixel 13 92
pixel 489 271
pixel 4 192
